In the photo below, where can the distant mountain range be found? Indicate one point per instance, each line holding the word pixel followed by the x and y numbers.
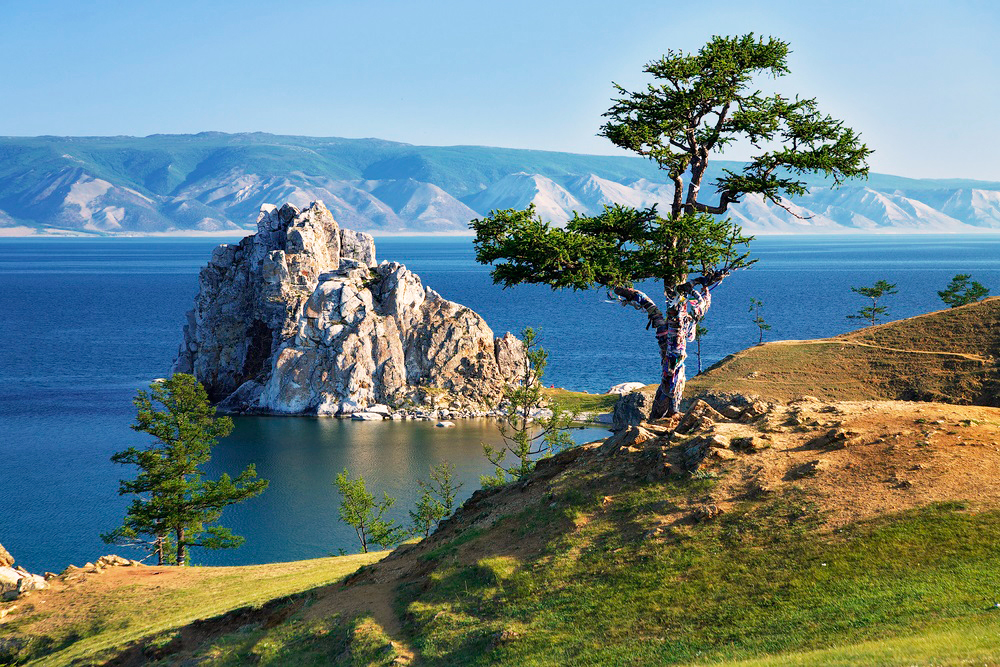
pixel 212 182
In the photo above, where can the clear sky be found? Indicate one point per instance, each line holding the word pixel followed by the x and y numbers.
pixel 918 79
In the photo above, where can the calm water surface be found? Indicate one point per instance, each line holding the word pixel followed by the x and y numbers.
pixel 86 322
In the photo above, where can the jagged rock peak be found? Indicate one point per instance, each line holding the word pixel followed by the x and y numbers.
pixel 298 319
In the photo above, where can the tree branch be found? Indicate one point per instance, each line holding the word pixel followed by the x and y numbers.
pixel 725 198
pixel 777 202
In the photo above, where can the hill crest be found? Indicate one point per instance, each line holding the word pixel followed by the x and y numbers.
pixel 948 356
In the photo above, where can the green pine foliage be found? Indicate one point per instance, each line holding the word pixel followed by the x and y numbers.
pixel 874 312
pixel 756 305
pixel 360 511
pixel 708 100
pixel 963 290
pixel 437 499
pixel 175 507
pixel 699 333
pixel 697 106
pixel 526 434
pixel 620 247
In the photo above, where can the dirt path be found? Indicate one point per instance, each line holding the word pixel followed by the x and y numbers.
pixel 377 599
pixel 838 341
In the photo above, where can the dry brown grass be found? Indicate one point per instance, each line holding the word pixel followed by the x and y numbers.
pixel 949 356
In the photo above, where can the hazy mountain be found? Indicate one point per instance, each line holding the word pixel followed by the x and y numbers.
pixel 420 206
pixel 552 201
pixel 973 206
pixel 217 182
pixel 867 209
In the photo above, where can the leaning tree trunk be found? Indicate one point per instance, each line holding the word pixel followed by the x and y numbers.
pixel 672 341
pixel 181 547
pixel 667 394
pixel 673 332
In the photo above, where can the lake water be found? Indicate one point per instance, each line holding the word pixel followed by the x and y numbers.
pixel 86 322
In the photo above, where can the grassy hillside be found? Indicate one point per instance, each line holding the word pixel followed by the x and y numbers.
pixel 783 548
pixel 950 355
pixel 83 620
pixel 838 530
pixel 580 401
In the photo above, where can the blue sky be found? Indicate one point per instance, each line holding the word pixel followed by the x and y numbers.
pixel 919 80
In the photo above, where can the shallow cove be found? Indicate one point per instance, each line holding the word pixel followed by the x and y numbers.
pixel 301 455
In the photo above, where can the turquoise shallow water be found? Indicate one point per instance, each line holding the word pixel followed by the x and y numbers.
pixel 87 321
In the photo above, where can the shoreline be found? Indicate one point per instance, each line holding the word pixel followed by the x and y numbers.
pixel 26 232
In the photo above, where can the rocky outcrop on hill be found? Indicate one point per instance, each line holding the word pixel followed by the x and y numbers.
pixel 16 581
pixel 633 408
pixel 299 319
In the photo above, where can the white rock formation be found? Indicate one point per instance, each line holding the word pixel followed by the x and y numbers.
pixel 367 417
pixel 625 388
pixel 16 581
pixel 298 319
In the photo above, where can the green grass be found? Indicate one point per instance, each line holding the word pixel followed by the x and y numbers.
pixel 763 584
pixel 580 401
pixel 601 569
pixel 759 581
pixel 972 642
pixel 111 617
pixel 302 642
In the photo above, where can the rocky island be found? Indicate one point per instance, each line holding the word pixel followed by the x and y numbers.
pixel 298 319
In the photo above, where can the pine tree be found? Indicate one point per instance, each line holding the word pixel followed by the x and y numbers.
pixel 698 104
pixel 175 506
pixel 756 305
pixel 873 312
pixel 360 511
pixel 960 291
pixel 437 499
pixel 525 432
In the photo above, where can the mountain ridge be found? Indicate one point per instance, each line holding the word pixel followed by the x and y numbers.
pixel 215 182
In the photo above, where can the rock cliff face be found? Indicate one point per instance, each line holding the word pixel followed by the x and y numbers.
pixel 299 319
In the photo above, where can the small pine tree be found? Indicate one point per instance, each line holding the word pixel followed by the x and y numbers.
pixel 526 435
pixel 174 504
pixel 960 291
pixel 699 333
pixel 360 511
pixel 436 501
pixel 873 312
pixel 756 305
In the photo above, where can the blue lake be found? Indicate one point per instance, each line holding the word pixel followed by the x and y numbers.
pixel 86 322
